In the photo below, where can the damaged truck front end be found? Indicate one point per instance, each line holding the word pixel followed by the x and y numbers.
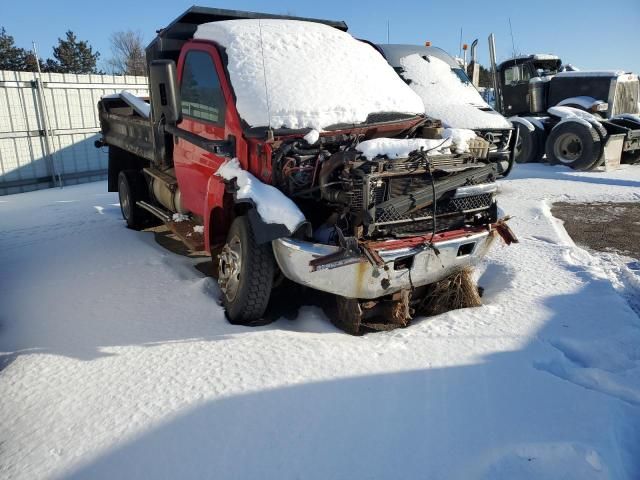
pixel 333 177
pixel 384 229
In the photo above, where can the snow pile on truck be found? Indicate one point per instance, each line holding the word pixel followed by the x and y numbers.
pixel 454 139
pixel 272 205
pixel 287 57
pixel 446 96
pixel 402 147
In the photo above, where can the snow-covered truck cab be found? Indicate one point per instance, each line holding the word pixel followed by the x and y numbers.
pixel 449 95
pixel 577 118
pixel 301 154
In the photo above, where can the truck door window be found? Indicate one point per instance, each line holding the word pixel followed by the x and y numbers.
pixel 202 96
pixel 516 74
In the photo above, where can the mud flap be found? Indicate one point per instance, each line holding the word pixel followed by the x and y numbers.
pixel 613 152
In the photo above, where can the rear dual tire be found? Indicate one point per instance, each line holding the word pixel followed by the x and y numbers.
pixel 631 157
pixel 576 144
pixel 132 188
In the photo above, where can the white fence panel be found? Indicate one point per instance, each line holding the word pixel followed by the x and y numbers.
pixel 71 104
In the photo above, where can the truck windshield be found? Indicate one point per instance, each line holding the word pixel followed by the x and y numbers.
pixel 545 68
pixel 447 92
pixel 461 75
pixel 293 74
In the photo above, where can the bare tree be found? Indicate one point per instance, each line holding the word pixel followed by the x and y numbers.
pixel 128 57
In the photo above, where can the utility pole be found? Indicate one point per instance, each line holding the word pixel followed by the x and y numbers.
pixel 44 120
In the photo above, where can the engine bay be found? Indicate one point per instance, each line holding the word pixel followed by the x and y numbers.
pixel 342 193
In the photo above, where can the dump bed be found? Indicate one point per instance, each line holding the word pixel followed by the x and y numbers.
pixel 125 126
pixel 170 39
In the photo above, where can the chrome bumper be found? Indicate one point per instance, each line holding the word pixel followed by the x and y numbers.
pixel 362 279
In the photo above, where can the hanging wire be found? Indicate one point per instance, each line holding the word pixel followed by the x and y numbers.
pixel 264 71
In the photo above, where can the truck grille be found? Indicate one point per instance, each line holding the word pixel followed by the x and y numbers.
pixel 367 194
pixel 626 97
pixel 421 226
pixel 498 139
pixel 446 206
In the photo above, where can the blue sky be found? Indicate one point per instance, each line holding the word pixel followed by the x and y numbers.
pixel 590 34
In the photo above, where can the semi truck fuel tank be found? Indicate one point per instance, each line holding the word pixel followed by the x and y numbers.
pixel 538 94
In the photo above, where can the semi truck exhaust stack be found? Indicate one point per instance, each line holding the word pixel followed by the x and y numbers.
pixel 494 72
pixel 475 68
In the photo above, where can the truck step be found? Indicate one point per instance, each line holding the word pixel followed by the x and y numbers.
pixel 163 215
pixel 184 229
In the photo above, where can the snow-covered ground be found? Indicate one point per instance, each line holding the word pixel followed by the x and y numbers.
pixel 118 362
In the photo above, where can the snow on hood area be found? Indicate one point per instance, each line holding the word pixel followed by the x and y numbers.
pixel 316 76
pixel 273 206
pixel 574 114
pixel 446 97
pixel 591 73
pixel 584 101
pixel 117 360
pixel 454 139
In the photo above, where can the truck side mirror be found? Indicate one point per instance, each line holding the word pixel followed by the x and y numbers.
pixel 165 95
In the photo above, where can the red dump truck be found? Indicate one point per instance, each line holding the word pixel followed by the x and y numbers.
pixel 288 149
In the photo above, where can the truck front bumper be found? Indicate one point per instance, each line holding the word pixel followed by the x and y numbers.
pixel 401 264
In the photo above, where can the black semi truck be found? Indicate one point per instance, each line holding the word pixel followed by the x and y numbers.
pixel 575 118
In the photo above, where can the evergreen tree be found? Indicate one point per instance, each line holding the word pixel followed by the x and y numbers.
pixel 12 57
pixel 30 63
pixel 486 79
pixel 72 56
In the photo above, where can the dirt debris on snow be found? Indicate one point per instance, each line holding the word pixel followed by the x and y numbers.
pixel 603 226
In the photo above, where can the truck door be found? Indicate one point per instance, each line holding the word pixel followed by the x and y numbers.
pixel 515 89
pixel 203 113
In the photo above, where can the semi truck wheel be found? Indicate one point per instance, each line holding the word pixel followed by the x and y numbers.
pixel 632 157
pixel 245 274
pixel 602 133
pixel 131 189
pixel 528 148
pixel 574 144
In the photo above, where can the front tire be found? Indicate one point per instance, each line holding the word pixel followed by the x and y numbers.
pixel 575 144
pixel 245 274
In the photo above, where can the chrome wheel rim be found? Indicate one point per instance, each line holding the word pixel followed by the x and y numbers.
pixel 229 267
pixel 568 148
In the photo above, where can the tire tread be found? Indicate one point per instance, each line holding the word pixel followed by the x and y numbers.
pixel 253 297
pixel 577 165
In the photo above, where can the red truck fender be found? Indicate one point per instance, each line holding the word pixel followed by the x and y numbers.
pixel 217 213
